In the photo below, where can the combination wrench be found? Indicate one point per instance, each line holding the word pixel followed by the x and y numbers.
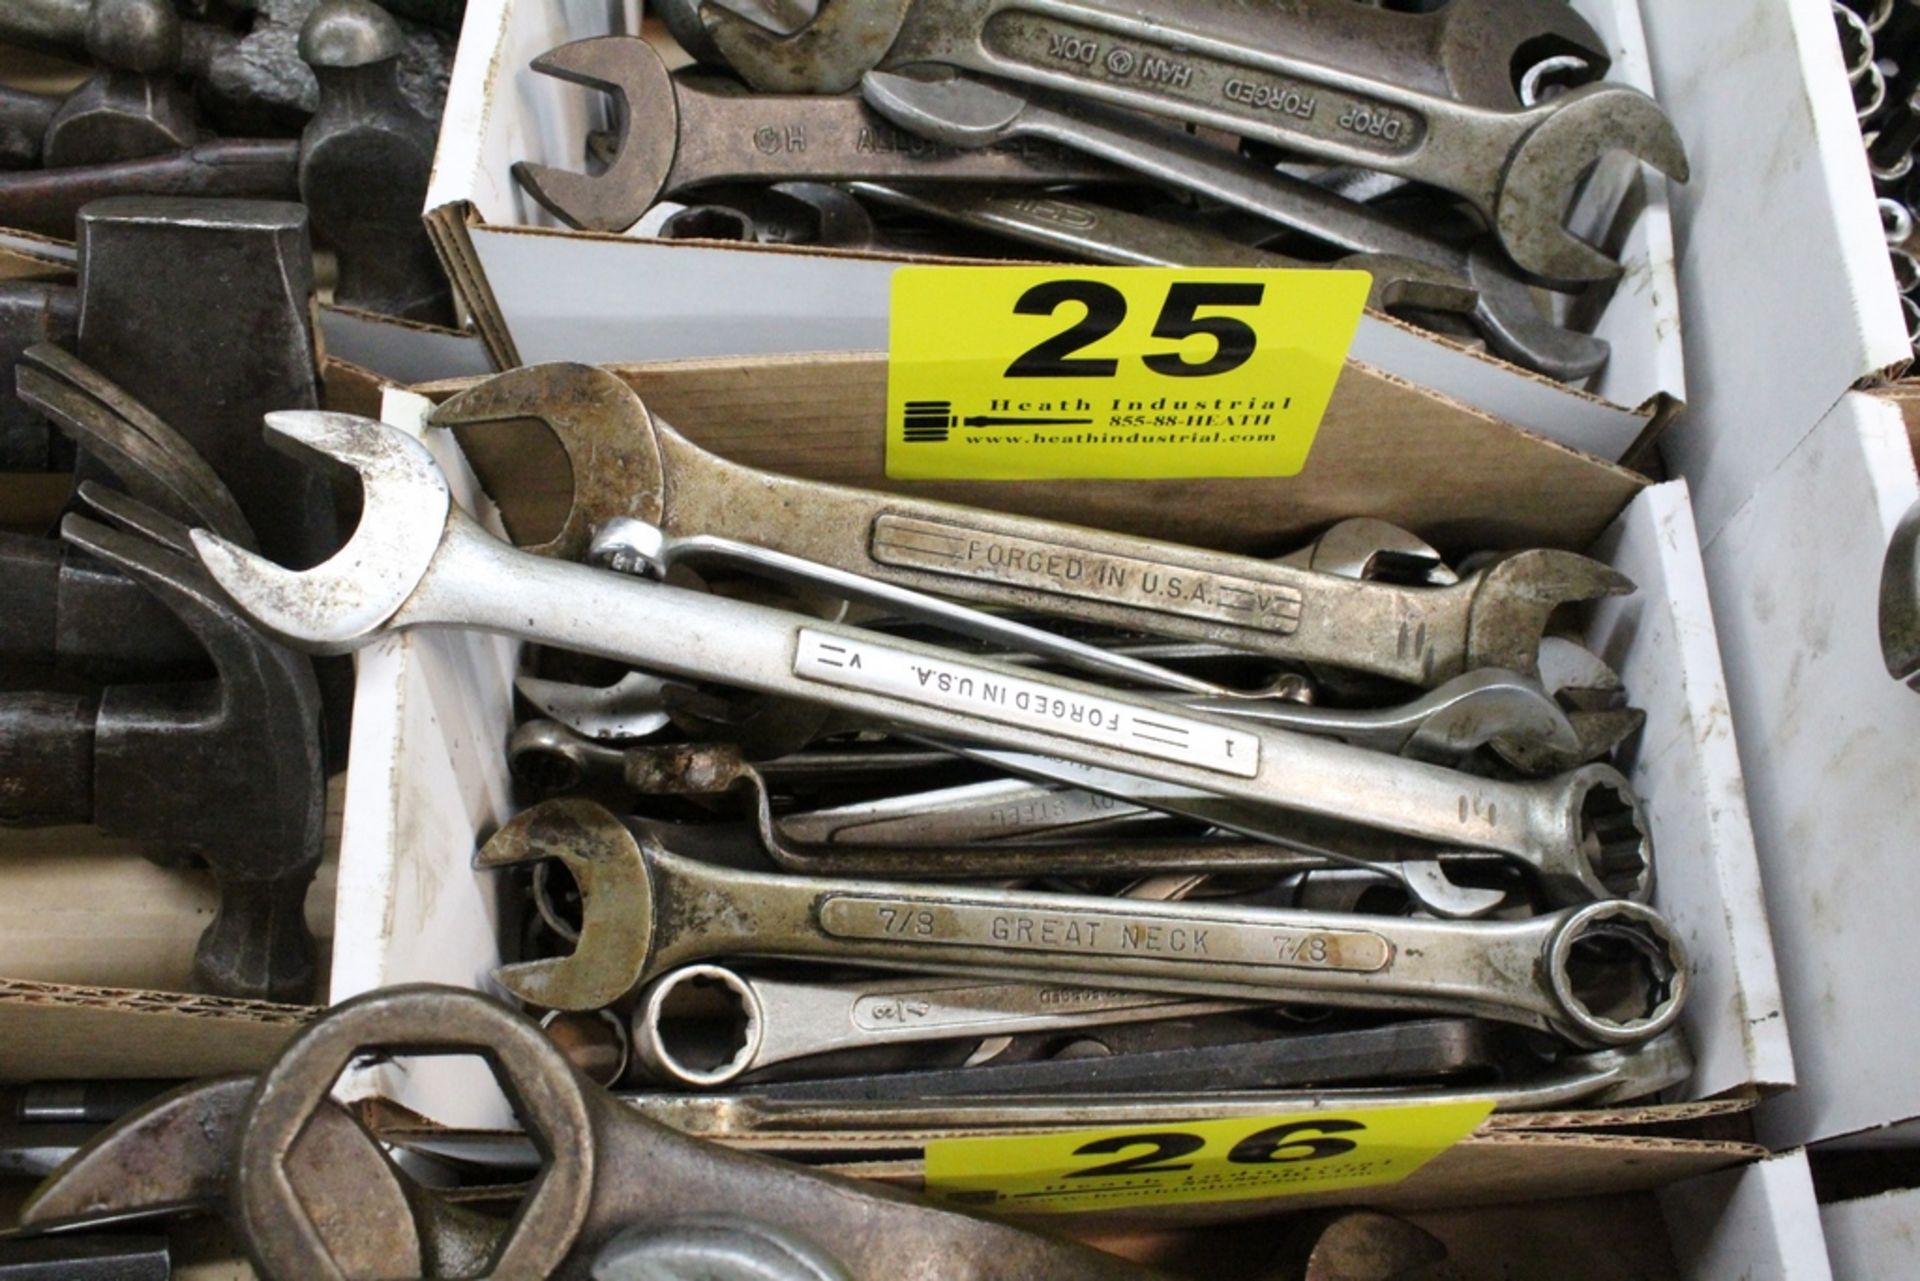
pixel 1609 973
pixel 672 134
pixel 625 462
pixel 969 112
pixel 1497 301
pixel 1520 169
pixel 415 559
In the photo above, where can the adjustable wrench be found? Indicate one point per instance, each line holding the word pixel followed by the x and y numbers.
pixel 627 463
pixel 781 1020
pixel 417 560
pixel 1497 301
pixel 1202 65
pixel 673 134
pixel 966 111
pixel 1605 974
pixel 1480 51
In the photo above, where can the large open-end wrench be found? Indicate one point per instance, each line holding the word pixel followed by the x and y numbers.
pixel 1497 300
pixel 417 560
pixel 627 463
pixel 1605 974
pixel 1497 53
pixel 1521 169
pixel 672 134
pixel 781 1020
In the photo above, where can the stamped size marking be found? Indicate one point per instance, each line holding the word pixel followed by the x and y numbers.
pixel 1090 53
pixel 1046 811
pixel 945 547
pixel 1010 700
pixel 987 1003
pixel 1170 938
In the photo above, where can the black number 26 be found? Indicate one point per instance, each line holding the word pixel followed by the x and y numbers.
pixel 1313 1140
pixel 1106 309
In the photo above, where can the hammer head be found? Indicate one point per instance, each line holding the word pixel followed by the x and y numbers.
pixel 614 199
pixel 343 602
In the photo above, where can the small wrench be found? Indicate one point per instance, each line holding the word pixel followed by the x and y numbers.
pixel 672 134
pixel 1521 169
pixel 781 1020
pixel 965 111
pixel 1098 233
pixel 627 463
pixel 416 559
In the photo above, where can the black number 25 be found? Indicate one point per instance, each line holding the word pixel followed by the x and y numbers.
pixel 1106 309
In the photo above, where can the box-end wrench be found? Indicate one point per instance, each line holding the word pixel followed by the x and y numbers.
pixel 1097 233
pixel 625 462
pixel 1520 169
pixel 779 1020
pixel 1490 52
pixel 967 111
pixel 1606 974
pixel 1497 301
pixel 416 560
pixel 672 134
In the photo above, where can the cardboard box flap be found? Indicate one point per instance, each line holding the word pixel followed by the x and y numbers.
pixel 1424 465
pixel 56 1030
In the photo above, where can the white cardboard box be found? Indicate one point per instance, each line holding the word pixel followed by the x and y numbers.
pixel 540 293
pixel 428 782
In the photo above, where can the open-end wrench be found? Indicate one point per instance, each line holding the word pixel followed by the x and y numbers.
pixel 627 463
pixel 1480 51
pixel 967 111
pixel 672 134
pixel 416 560
pixel 1099 233
pixel 1604 974
pixel 1594 1079
pixel 780 1020
pixel 1521 169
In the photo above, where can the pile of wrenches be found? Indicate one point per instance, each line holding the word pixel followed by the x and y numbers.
pixel 1138 820
pixel 1441 151
pixel 1880 45
pixel 333 103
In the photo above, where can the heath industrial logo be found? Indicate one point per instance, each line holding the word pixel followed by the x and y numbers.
pixel 1009 373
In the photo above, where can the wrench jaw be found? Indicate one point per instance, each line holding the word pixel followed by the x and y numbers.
pixel 1515 598
pixel 346 601
pixel 1618 973
pixel 609 438
pixel 617 904
pixel 1402 283
pixel 1514 328
pixel 1545 170
pixel 613 200
pixel 827 55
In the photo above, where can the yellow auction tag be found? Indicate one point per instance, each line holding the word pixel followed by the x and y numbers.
pixel 1131 373
pixel 1203 1161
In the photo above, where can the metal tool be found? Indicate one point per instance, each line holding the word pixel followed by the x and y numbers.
pixel 620 1169
pixel 365 158
pixel 66 610
pixel 1205 66
pixel 1482 51
pixel 132 106
pixel 1414 1050
pixel 24 118
pixel 706 1025
pixel 972 112
pixel 714 1247
pixel 627 463
pixel 1595 1079
pixel 87 1258
pixel 143 761
pixel 632 707
pixel 48 201
pixel 709 222
pixel 674 134
pixel 31 312
pixel 1900 601
pixel 1098 233
pixel 1630 966
pixel 417 560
